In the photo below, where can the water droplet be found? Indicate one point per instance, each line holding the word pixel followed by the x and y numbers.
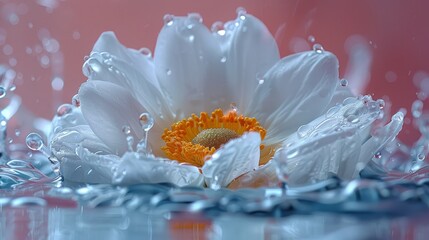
pixel 233 106
pixel 331 112
pixel 344 82
pixel 223 59
pixel 381 104
pixel 17 132
pixel 146 121
pixel 12 88
pixel 64 109
pixel 168 72
pixel 318 48
pixel 311 39
pixel 168 19
pixel 34 141
pixel 417 108
pixel 421 157
pixel 303 131
pixel 76 100
pixel 195 17
pixel 126 129
pixel 353 118
pixel 377 155
pixel 2 92
pixel 218 28
pixel 241 13
pixel 191 38
pixel 57 84
pixel 146 52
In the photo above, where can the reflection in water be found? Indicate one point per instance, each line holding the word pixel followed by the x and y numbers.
pixel 118 223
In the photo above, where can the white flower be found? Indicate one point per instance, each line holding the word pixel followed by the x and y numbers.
pixel 195 70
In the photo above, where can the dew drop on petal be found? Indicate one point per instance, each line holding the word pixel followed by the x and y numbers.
pixel 241 13
pixel 64 109
pixel 195 16
pixel 318 48
pixel 377 155
pixel 2 92
pixel 168 19
pixel 146 52
pixel 168 72
pixel 303 131
pixel 344 82
pixel 126 129
pixel 76 100
pixel 223 60
pixel 421 157
pixel 381 104
pixel 34 141
pixel 218 28
pixel 353 118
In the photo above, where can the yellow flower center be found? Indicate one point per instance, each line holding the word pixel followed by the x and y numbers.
pixel 195 139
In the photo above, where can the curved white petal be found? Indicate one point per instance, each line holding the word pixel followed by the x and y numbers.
pixel 65 142
pixel 249 50
pixel 295 91
pixel 341 93
pixel 381 138
pixel 133 169
pixel 235 158
pixel 88 167
pixel 189 68
pixel 73 118
pixel 264 176
pixel 108 107
pixel 111 61
pixel 331 144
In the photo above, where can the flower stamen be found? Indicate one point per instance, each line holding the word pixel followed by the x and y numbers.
pixel 194 139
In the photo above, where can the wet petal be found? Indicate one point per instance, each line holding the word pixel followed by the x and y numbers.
pixel 189 68
pixel 133 169
pixel 295 91
pixel 88 167
pixel 381 137
pixel 235 158
pixel 264 176
pixel 249 50
pixel 111 61
pixel 331 144
pixel 65 142
pixel 70 119
pixel 108 107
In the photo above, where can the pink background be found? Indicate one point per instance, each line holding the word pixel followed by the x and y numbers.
pixel 394 32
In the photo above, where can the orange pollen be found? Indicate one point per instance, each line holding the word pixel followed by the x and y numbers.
pixel 195 139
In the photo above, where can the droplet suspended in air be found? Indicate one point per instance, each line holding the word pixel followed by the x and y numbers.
pixel 417 108
pixel 344 82
pixel 126 129
pixel 146 121
pixel 34 141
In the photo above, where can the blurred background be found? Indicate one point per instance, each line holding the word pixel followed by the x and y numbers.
pixel 382 45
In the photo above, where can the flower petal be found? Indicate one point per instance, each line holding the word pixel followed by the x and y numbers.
pixel 113 62
pixel 244 57
pixel 264 176
pixel 108 107
pixel 88 167
pixel 235 158
pixel 295 91
pixel 189 68
pixel 331 144
pixel 133 169
pixel 75 148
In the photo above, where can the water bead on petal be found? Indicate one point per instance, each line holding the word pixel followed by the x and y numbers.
pixel 64 109
pixel 34 141
pixel 168 19
pixel 318 48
